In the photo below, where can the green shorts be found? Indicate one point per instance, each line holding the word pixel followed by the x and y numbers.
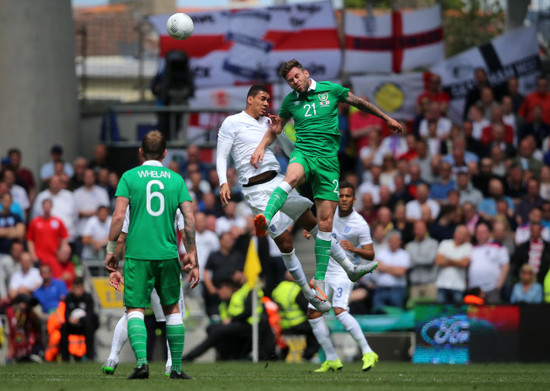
pixel 322 172
pixel 140 277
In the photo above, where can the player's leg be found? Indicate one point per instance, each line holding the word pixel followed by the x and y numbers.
pixel 159 317
pixel 321 332
pixel 308 221
pixel 168 287
pixel 325 215
pixel 294 266
pixel 325 175
pixel 295 175
pixel 139 281
pixel 120 337
pixel 341 289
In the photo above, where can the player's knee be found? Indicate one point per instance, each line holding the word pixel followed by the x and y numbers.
pixel 286 247
pixel 325 225
pixel 313 314
pixel 338 310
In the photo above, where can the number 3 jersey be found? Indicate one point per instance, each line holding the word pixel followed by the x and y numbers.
pixel 353 228
pixel 315 115
pixel 154 194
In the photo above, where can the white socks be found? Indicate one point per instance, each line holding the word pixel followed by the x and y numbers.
pixel 320 330
pixel 294 266
pixel 120 337
pixel 285 186
pixel 352 326
pixel 336 252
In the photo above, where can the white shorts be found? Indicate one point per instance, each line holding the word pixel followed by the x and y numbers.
pixel 295 205
pixel 338 288
pixel 157 307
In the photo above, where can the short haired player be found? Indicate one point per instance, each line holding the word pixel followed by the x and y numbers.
pixel 353 233
pixel 314 108
pixel 239 136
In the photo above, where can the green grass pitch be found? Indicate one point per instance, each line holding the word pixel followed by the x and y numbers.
pixel 245 376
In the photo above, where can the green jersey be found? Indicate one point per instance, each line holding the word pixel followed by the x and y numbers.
pixel 315 115
pixel 155 194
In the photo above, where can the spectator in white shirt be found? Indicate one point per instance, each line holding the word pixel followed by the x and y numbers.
pixel 26 279
pixel 95 234
pixel 453 258
pixel 444 125
pixel 229 219
pixel 18 193
pixel 489 265
pixel 391 281
pixel 414 207
pixel 88 198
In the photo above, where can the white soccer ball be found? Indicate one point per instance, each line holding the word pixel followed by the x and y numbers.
pixel 179 26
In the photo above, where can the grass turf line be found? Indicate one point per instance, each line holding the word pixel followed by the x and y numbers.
pixel 245 376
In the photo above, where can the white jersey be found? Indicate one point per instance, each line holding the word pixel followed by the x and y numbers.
pixel 353 228
pixel 239 136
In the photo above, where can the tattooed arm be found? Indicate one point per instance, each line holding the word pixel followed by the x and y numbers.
pixel 190 264
pixel 369 108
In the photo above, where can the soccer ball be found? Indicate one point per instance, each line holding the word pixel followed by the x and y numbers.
pixel 179 26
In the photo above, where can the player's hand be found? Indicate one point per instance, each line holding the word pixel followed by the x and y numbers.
pixel 193 277
pixel 225 194
pixel 275 123
pixel 394 125
pixel 346 245
pixel 306 234
pixel 111 262
pixel 257 157
pixel 116 280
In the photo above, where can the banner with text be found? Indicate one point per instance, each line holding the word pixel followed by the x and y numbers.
pixel 238 46
pixel 513 54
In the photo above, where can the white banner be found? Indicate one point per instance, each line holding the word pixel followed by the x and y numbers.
pixel 511 54
pixel 394 94
pixel 230 47
pixel 394 42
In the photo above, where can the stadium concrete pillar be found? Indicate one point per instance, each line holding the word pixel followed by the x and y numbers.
pixel 38 85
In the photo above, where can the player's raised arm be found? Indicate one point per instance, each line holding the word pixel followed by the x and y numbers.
pixel 367 107
pixel 275 128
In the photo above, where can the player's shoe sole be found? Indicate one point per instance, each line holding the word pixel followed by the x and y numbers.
pixel 179 375
pixel 361 270
pixel 141 372
pixel 327 366
pixel 369 361
pixel 109 367
pixel 318 287
pixel 321 306
pixel 260 224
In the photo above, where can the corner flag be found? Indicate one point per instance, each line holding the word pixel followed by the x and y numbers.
pixel 252 266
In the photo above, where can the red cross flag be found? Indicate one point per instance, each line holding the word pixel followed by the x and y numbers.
pixel 394 42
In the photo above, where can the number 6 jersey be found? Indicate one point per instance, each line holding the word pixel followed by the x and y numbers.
pixel 155 193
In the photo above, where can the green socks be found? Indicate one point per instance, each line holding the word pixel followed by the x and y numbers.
pixel 137 334
pixel 322 254
pixel 277 199
pixel 175 334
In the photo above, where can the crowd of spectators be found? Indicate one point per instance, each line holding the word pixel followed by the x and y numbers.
pixel 452 207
